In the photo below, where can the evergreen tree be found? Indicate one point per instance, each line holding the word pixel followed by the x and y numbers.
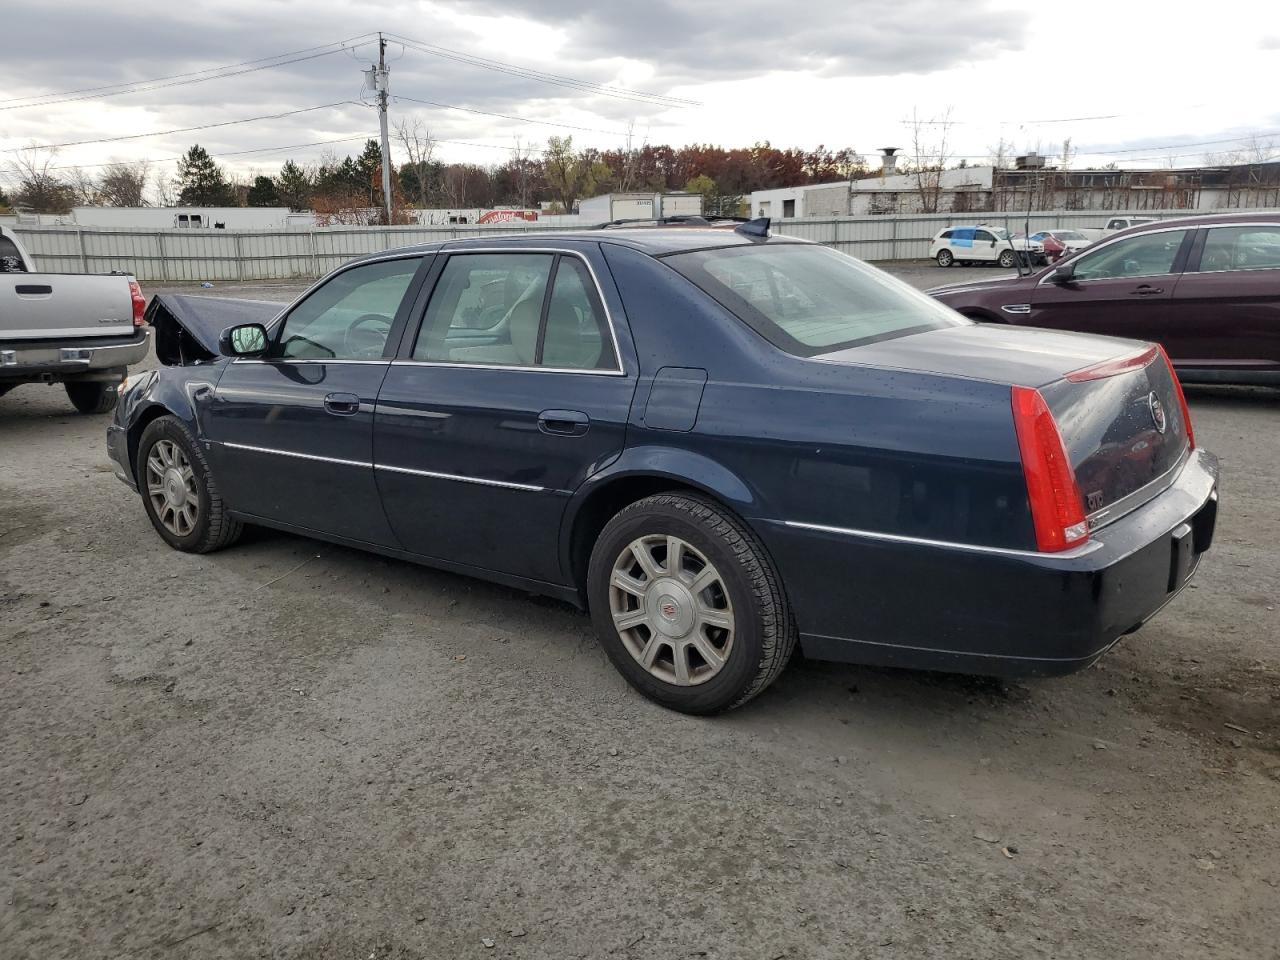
pixel 369 164
pixel 293 186
pixel 201 182
pixel 4 198
pixel 263 193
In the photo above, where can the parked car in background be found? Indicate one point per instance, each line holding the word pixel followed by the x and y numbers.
pixel 1061 243
pixel 983 244
pixel 718 441
pixel 1207 288
pixel 79 330
pixel 1116 224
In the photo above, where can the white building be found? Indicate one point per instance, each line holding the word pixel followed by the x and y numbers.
pixel 887 193
pixel 638 206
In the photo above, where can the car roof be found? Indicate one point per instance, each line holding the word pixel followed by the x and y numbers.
pixel 655 241
pixel 1200 220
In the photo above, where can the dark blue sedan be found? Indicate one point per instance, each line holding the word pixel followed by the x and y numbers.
pixel 717 441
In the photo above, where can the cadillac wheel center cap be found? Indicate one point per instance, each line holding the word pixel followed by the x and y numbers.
pixel 671 607
pixel 1157 412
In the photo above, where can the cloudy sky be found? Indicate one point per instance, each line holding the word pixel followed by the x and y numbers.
pixel 1130 82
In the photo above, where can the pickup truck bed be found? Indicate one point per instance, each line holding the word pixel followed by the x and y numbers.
pixel 80 330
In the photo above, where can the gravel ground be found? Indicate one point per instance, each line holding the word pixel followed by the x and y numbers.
pixel 290 749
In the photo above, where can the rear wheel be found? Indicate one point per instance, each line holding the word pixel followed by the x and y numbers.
pixel 93 397
pixel 945 258
pixel 179 492
pixel 687 604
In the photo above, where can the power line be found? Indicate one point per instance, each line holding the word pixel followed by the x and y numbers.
pixel 203 126
pixel 193 73
pixel 529 73
pixel 175 83
pixel 506 116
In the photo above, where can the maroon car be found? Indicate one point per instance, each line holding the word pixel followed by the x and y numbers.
pixel 1206 288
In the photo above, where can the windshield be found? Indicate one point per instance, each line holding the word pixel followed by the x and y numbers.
pixel 1000 234
pixel 807 299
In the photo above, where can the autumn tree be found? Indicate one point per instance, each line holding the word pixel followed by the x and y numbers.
pixel 201 182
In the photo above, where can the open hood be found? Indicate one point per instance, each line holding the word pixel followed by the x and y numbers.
pixel 187 328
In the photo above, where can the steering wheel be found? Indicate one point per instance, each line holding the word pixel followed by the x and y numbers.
pixel 367 336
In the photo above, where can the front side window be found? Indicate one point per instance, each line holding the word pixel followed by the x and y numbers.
pixel 1148 255
pixel 349 317
pixel 809 300
pixel 982 236
pixel 494 308
pixel 1241 248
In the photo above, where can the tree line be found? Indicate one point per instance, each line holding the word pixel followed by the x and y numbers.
pixel 349 190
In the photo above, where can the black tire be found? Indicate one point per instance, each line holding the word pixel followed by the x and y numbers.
pixel 93 397
pixel 764 636
pixel 6 387
pixel 213 528
pixel 1008 259
pixel 945 258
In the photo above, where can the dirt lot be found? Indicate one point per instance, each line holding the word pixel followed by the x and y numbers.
pixel 294 750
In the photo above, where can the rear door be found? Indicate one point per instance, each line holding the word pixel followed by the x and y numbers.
pixel 510 392
pixel 292 434
pixel 1122 288
pixel 1226 307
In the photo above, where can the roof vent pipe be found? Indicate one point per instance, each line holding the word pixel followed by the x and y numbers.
pixel 888 160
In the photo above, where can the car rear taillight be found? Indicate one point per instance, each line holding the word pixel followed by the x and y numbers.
pixel 1182 399
pixel 139 302
pixel 1110 368
pixel 1057 509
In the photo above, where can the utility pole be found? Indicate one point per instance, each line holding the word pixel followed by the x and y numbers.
pixel 380 84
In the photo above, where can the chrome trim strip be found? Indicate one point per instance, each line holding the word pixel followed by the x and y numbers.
pixel 384 466
pixel 276 361
pixel 1080 551
pixel 508 367
pixel 1017 308
pixel 515 248
pixel 291 453
pixel 1136 498
pixel 460 479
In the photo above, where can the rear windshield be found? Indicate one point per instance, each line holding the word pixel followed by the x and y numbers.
pixel 809 300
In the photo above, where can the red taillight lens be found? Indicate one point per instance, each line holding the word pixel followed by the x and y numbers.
pixel 1182 399
pixel 1057 510
pixel 139 302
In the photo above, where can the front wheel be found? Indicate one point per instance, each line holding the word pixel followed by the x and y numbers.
pixel 178 490
pixel 945 258
pixel 687 604
pixel 1007 259
pixel 92 397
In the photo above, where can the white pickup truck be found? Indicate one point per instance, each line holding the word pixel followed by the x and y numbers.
pixel 80 330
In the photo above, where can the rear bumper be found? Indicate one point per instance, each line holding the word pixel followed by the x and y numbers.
pixel 24 361
pixel 926 605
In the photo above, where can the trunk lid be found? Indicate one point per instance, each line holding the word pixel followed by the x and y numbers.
pixel 1110 423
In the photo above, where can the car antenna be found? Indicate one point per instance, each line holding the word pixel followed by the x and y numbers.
pixel 759 227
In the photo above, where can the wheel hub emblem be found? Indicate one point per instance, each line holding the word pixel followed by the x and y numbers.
pixel 669 609
pixel 1157 412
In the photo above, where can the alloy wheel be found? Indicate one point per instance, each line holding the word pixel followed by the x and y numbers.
pixel 171 487
pixel 672 610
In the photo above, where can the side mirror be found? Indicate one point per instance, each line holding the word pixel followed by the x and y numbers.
pixel 245 340
pixel 993 243
pixel 1063 274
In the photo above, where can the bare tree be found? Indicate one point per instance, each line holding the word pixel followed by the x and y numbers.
pixel 522 168
pixel 124 184
pixel 418 143
pixel 38 186
pixel 84 189
pixel 930 145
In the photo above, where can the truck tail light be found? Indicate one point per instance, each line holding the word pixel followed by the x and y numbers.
pixel 139 302
pixel 1182 399
pixel 1057 509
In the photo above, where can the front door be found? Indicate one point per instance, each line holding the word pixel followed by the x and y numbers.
pixel 1122 289
pixel 292 434
pixel 509 395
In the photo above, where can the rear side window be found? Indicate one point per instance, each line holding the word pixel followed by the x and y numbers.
pixel 945 235
pixel 1241 248
pixel 10 261
pixel 809 300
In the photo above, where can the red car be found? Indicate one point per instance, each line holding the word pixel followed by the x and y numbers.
pixel 1207 288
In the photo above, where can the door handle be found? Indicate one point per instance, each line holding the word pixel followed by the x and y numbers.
pixel 342 404
pixel 564 423
pixel 1146 290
